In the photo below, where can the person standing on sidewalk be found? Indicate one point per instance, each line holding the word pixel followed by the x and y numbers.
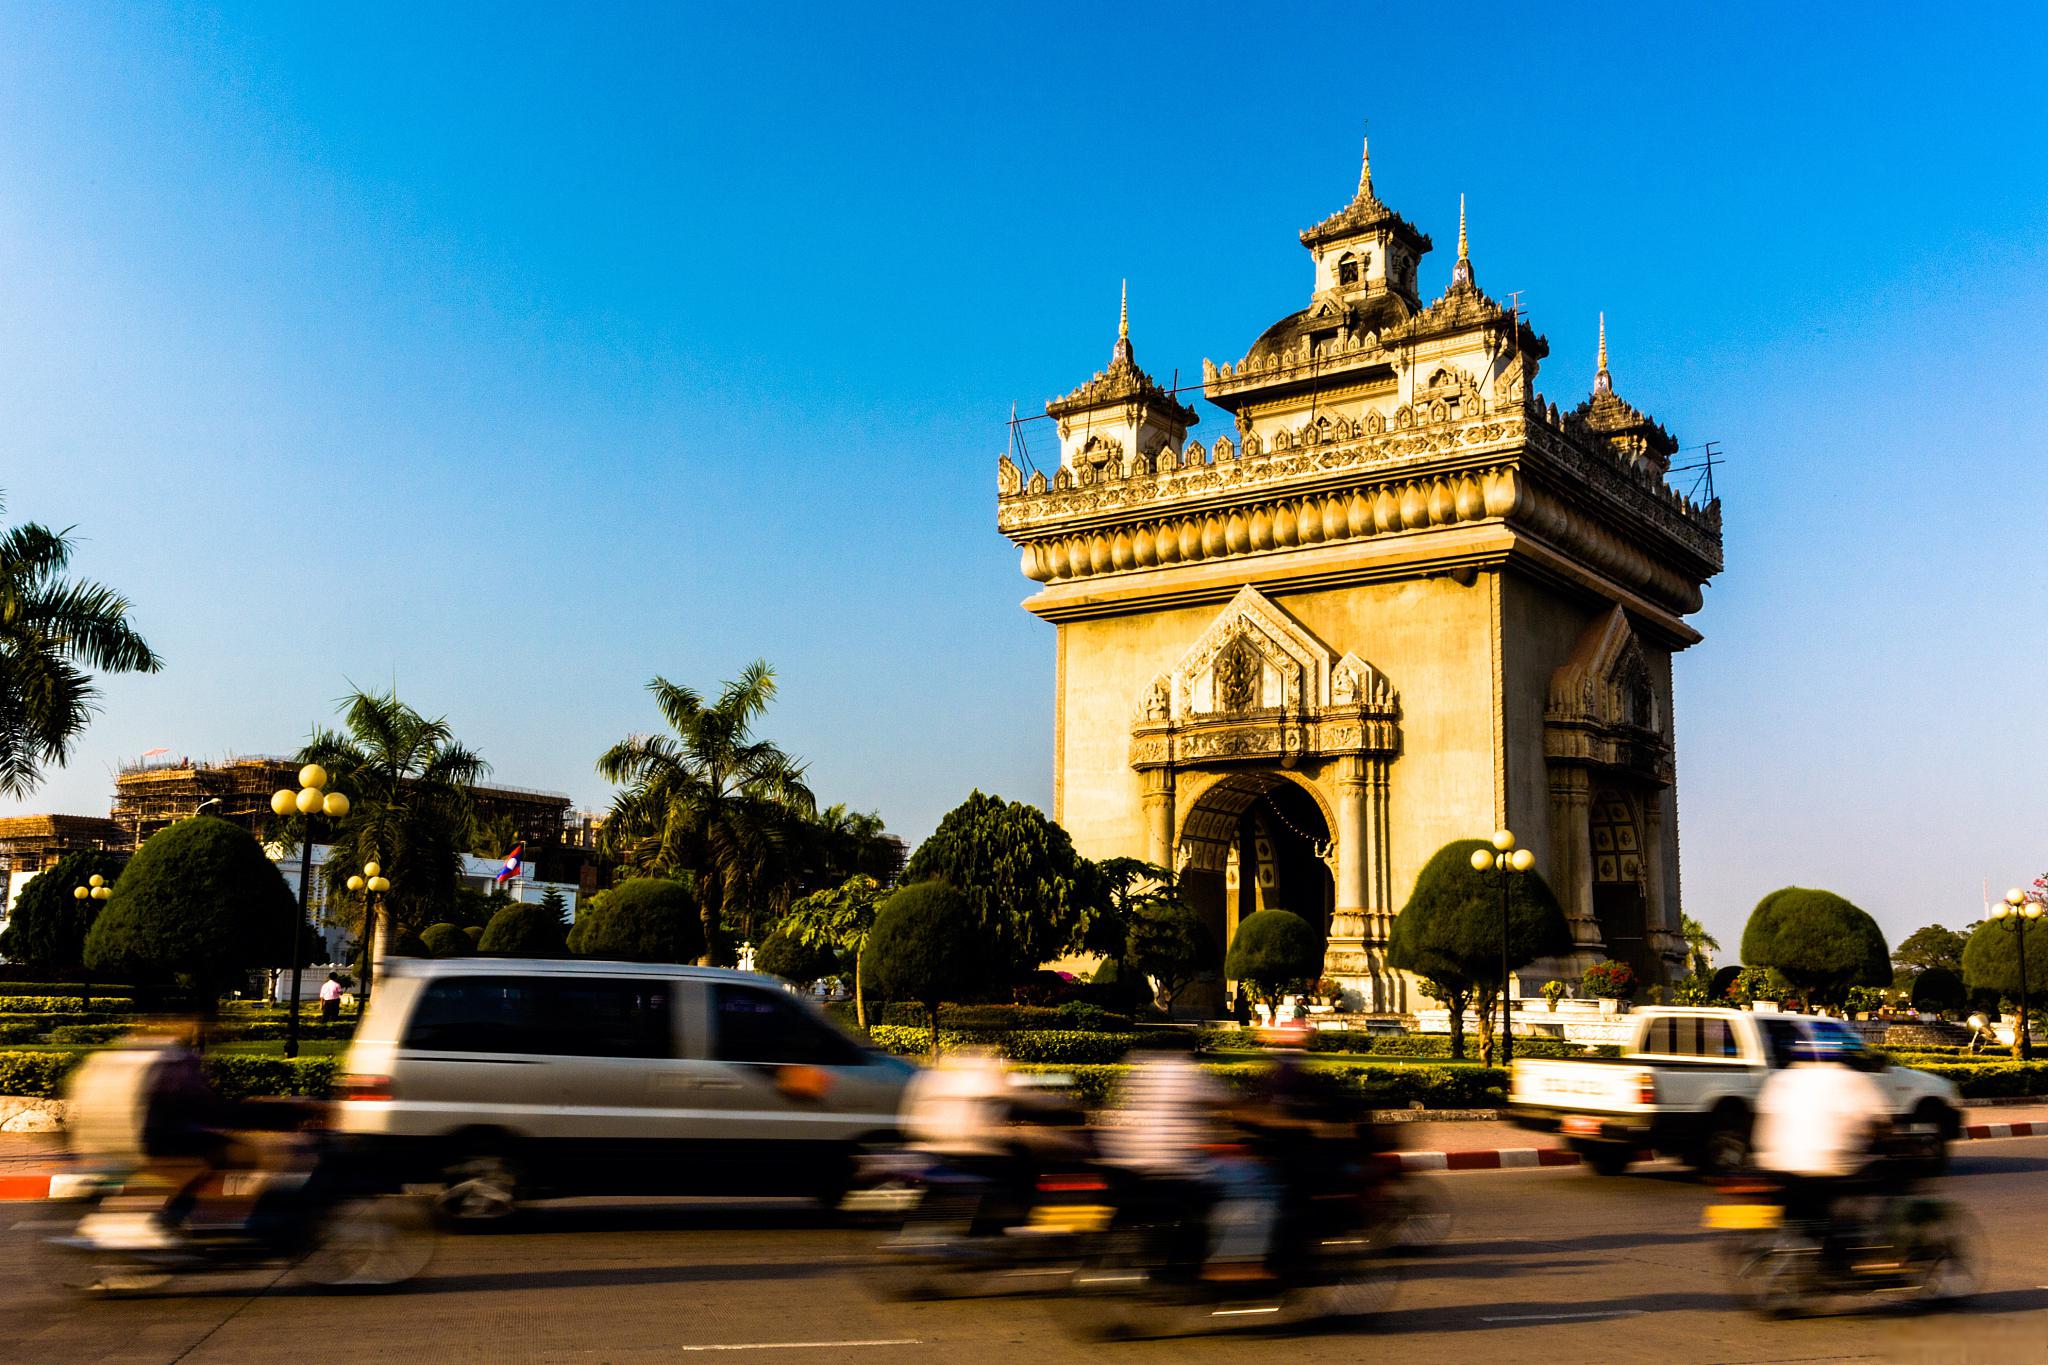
pixel 330 999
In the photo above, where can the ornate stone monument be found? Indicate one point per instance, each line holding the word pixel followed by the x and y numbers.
pixel 1406 601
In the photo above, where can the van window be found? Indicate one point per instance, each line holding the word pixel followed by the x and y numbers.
pixel 753 1025
pixel 1661 1038
pixel 546 1016
pixel 476 1014
pixel 608 1017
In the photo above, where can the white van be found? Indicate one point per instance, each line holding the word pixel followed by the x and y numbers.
pixel 507 1079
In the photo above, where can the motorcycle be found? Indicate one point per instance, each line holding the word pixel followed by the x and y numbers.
pixel 976 1227
pixel 1901 1244
pixel 299 1211
pixel 1150 1273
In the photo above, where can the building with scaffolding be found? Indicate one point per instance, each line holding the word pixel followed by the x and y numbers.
pixel 1405 600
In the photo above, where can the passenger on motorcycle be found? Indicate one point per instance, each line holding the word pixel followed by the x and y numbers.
pixel 1819 1125
pixel 145 1108
pixel 1174 1124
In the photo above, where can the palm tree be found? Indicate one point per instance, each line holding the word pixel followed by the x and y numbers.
pixel 52 630
pixel 711 802
pixel 1700 945
pixel 408 784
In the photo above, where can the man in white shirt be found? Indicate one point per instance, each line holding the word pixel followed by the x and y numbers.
pixel 1818 1122
pixel 330 999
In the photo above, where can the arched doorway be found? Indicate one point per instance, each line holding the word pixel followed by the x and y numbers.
pixel 1620 899
pixel 1254 841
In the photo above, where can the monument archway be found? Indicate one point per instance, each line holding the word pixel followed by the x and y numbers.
pixel 1257 840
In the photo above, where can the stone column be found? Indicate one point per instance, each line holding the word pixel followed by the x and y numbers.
pixel 1348 924
pixel 1660 919
pixel 1158 803
pixel 1571 853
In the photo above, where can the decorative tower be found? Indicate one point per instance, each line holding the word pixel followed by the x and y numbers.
pixel 1408 602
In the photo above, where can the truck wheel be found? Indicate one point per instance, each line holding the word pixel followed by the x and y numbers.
pixel 1608 1158
pixel 1724 1149
pixel 1937 1125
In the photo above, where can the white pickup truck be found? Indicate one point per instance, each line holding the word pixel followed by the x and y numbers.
pixel 1688 1083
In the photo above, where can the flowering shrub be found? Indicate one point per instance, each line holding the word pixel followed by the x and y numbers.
pixel 1609 980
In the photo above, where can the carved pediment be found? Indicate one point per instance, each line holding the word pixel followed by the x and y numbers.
pixel 1252 657
pixel 1603 702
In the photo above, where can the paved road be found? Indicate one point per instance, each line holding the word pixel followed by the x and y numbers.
pixel 1545 1265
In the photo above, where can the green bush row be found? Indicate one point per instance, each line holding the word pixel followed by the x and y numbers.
pixel 1403 1087
pixel 1360 1043
pixel 71 988
pixel 63 1004
pixel 990 1018
pixel 1056 1046
pixel 237 1076
pixel 1993 1080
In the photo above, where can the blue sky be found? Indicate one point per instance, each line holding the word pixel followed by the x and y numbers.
pixel 518 354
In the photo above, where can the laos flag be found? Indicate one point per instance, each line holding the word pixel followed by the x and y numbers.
pixel 511 867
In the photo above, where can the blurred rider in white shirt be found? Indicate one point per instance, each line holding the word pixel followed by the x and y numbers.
pixel 1818 1122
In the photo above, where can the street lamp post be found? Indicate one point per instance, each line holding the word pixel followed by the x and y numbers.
pixel 1506 858
pixel 376 884
pixel 310 800
pixel 95 889
pixel 2016 914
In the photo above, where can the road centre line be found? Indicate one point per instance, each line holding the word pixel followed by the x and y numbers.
pixel 1568 1317
pixel 801 1345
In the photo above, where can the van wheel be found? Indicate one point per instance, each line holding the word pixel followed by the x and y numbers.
pixel 481 1191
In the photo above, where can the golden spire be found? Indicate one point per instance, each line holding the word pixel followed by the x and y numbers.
pixel 1123 315
pixel 1602 381
pixel 1463 254
pixel 1364 167
pixel 1461 269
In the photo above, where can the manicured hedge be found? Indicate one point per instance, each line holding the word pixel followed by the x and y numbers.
pixel 70 988
pixel 1360 1043
pixel 1065 1047
pixel 237 1076
pixel 1990 1080
pixel 992 1018
pixel 1386 1087
pixel 63 1004
pixel 34 1073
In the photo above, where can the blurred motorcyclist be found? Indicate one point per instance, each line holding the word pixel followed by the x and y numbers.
pixel 969 1110
pixel 1819 1123
pixel 145 1107
pixel 1173 1124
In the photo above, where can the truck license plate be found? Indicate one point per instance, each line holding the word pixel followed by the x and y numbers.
pixel 1579 1125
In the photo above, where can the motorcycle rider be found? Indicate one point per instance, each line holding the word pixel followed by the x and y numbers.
pixel 1819 1122
pixel 144 1107
pixel 968 1110
pixel 1174 1124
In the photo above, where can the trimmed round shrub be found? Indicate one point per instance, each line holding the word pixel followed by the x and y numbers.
pixel 1274 951
pixel 475 933
pixel 927 945
pixel 647 919
pixel 1818 942
pixel 198 904
pixel 1938 991
pixel 446 940
pixel 522 930
pixel 1991 961
pixel 785 955
pixel 48 925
